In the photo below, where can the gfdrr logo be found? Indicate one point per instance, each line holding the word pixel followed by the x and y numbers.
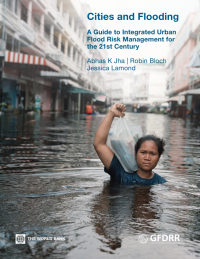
pixel 158 238
pixel 143 238
pixel 20 239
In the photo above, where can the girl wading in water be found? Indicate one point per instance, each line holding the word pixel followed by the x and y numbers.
pixel 148 150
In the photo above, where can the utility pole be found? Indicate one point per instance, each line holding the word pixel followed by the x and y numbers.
pixel 3 2
pixel 2 54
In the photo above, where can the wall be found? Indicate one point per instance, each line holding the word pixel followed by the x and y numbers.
pixel 46 98
pixel 181 71
pixel 180 51
pixel 9 86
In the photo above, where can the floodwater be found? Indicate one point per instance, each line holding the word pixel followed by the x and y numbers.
pixel 52 184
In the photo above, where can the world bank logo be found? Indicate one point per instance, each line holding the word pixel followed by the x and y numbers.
pixel 20 239
pixel 143 239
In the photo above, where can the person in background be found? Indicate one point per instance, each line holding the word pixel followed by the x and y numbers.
pixel 148 150
pixel 94 109
pixel 89 109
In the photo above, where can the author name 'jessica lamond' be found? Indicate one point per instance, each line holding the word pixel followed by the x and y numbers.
pixel 121 61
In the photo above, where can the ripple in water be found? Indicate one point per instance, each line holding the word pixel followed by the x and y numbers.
pixel 52 184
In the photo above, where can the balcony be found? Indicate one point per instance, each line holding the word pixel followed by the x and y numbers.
pixel 74 37
pixel 44 3
pixel 53 53
pixel 26 32
pixel 57 58
pixel 40 42
pixel 11 20
pixel 169 92
pixel 77 41
pixel 52 11
pixel 60 20
pixel 84 20
pixel 77 6
pixel 72 65
pixel 171 73
pixel 67 62
pixel 195 49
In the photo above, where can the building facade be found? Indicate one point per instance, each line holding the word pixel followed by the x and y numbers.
pixel 145 86
pixel 183 78
pixel 149 83
pixel 44 55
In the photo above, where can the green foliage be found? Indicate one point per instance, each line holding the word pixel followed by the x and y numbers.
pixel 3 106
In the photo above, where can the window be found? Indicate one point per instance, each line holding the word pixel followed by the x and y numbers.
pixel 16 46
pixel 172 83
pixel 16 7
pixel 12 44
pixel 82 64
pixel 47 33
pixel 9 4
pixel 68 51
pixel 78 59
pixel 70 21
pixel 55 41
pixel 36 24
pixel 24 13
pixel 185 74
pixel 12 5
pixel 62 47
pixel 74 54
pixel 9 42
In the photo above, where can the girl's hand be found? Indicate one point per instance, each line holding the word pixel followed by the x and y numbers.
pixel 118 110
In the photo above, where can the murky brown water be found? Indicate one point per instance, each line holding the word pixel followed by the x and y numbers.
pixel 52 184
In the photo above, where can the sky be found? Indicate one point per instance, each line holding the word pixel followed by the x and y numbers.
pixel 146 50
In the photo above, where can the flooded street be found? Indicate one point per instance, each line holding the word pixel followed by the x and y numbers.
pixel 52 184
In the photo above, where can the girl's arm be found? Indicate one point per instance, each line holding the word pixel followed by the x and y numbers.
pixel 103 151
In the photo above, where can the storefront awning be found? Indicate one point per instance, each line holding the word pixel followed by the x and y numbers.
pixel 20 58
pixel 177 98
pixel 100 98
pixel 191 92
pixel 195 71
pixel 63 74
pixel 73 87
pixel 174 98
pixel 195 61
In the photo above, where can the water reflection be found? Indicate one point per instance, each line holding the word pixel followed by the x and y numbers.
pixel 123 210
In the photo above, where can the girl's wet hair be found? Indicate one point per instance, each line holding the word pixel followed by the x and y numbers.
pixel 160 143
